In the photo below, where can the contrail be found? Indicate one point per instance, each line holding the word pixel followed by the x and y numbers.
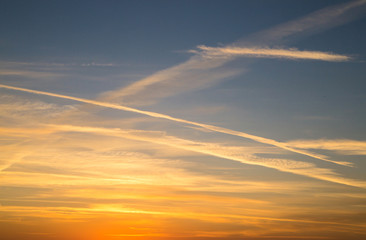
pixel 269 53
pixel 211 149
pixel 164 116
pixel 312 23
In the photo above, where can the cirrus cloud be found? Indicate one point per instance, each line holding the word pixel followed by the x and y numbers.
pixel 292 53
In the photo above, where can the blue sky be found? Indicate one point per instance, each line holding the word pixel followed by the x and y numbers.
pixel 176 119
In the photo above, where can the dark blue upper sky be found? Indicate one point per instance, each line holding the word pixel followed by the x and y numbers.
pixel 141 31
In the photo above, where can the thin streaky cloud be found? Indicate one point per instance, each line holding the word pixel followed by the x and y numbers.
pixel 117 209
pixel 343 146
pixel 10 153
pixel 320 20
pixel 196 73
pixel 211 149
pixel 317 21
pixel 12 65
pixel 167 117
pixel 29 74
pixel 270 53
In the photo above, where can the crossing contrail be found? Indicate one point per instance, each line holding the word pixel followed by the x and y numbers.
pixel 167 117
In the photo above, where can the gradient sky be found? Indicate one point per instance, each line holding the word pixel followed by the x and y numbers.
pixel 189 120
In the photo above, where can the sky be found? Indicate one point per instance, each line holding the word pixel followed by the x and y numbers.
pixel 186 120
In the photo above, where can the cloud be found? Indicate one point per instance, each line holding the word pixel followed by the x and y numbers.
pixel 105 180
pixel 202 72
pixel 196 73
pixel 119 185
pixel 30 111
pixel 341 146
pixel 216 150
pixel 94 64
pixel 10 153
pixel 29 74
pixel 227 52
pixel 41 65
pixel 180 120
pixel 312 23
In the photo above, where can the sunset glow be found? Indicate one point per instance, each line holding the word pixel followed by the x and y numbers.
pixel 182 120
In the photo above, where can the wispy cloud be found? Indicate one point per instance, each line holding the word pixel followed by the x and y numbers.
pixel 180 120
pixel 295 167
pixel 60 170
pixel 212 149
pixel 196 73
pixel 95 64
pixel 21 108
pixel 312 23
pixel 15 65
pixel 107 182
pixel 341 146
pixel 202 72
pixel 227 52
pixel 29 74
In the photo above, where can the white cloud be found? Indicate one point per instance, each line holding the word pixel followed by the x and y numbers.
pixel 198 72
pixel 229 52
pixel 213 149
pixel 180 120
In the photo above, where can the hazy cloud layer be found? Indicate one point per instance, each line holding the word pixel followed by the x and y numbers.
pixel 180 120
